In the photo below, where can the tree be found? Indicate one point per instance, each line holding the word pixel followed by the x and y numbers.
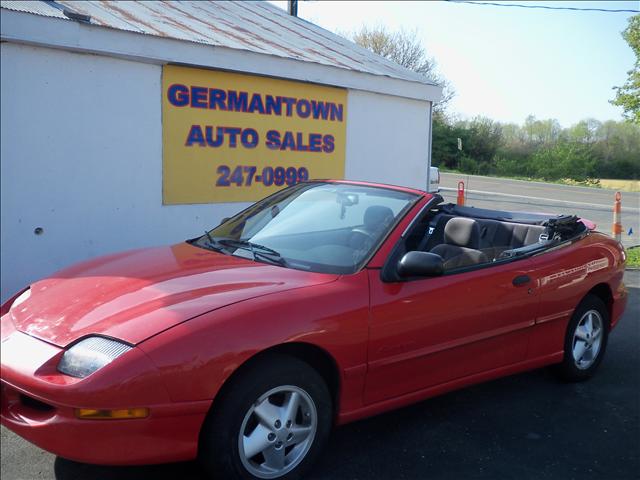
pixel 585 131
pixel 616 149
pixel 482 138
pixel 445 151
pixel 564 160
pixel 542 132
pixel 404 48
pixel 628 96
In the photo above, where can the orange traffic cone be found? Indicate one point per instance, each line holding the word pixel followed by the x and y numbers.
pixel 617 225
pixel 461 193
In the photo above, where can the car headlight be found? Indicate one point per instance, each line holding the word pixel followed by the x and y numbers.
pixel 90 355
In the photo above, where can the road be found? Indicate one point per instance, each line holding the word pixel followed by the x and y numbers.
pixel 528 426
pixel 595 204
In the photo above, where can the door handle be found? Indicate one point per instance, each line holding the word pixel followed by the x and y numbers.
pixel 521 280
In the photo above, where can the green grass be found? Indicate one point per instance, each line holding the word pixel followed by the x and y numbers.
pixel 633 257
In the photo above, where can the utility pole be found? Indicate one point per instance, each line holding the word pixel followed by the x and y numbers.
pixel 293 8
pixel 429 146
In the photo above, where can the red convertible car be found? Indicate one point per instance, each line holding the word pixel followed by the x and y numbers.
pixel 324 303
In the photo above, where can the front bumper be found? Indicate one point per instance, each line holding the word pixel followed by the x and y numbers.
pixel 39 404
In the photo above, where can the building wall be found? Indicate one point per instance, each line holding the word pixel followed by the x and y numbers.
pixel 387 139
pixel 81 158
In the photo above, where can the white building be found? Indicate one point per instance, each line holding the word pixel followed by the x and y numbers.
pixel 82 118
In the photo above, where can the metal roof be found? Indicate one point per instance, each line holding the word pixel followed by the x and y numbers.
pixel 258 27
pixel 29 6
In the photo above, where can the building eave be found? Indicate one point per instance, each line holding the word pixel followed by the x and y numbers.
pixel 26 28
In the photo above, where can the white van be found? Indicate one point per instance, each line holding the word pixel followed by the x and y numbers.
pixel 434 180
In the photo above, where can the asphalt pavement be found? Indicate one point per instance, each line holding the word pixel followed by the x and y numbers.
pixel 595 204
pixel 527 426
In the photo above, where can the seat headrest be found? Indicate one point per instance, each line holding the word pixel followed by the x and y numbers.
pixel 464 232
pixel 377 217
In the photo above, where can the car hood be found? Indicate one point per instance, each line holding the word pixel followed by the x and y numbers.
pixel 135 295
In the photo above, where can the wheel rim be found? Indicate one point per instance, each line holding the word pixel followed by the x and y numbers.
pixel 587 339
pixel 277 431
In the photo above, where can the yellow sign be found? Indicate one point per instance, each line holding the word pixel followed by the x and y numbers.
pixel 230 137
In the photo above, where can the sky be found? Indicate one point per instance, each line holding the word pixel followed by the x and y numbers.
pixel 507 63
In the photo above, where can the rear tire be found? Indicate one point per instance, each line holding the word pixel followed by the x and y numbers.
pixel 585 341
pixel 272 422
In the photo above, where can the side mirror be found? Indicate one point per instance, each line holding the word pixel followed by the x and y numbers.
pixel 420 264
pixel 224 220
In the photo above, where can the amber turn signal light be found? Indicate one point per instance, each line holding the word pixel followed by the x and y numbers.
pixel 120 414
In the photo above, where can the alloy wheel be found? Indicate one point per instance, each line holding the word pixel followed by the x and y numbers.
pixel 277 431
pixel 587 339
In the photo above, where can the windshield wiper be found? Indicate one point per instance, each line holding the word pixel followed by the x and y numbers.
pixel 214 244
pixel 246 244
pixel 256 250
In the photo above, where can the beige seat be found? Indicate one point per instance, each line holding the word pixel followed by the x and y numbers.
pixel 461 243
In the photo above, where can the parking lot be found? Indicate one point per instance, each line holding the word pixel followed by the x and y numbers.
pixel 529 426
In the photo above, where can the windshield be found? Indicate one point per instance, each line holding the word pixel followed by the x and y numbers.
pixel 320 227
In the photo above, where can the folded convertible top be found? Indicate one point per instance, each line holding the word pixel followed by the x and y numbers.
pixel 504 216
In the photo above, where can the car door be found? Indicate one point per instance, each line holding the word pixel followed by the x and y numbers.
pixel 430 331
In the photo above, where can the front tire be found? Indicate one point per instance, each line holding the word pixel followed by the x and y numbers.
pixel 271 422
pixel 585 340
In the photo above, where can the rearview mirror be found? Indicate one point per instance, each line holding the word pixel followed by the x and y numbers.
pixel 224 220
pixel 348 199
pixel 420 264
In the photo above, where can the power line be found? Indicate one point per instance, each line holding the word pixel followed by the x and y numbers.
pixel 544 7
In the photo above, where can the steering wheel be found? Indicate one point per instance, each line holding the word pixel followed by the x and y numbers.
pixel 368 236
